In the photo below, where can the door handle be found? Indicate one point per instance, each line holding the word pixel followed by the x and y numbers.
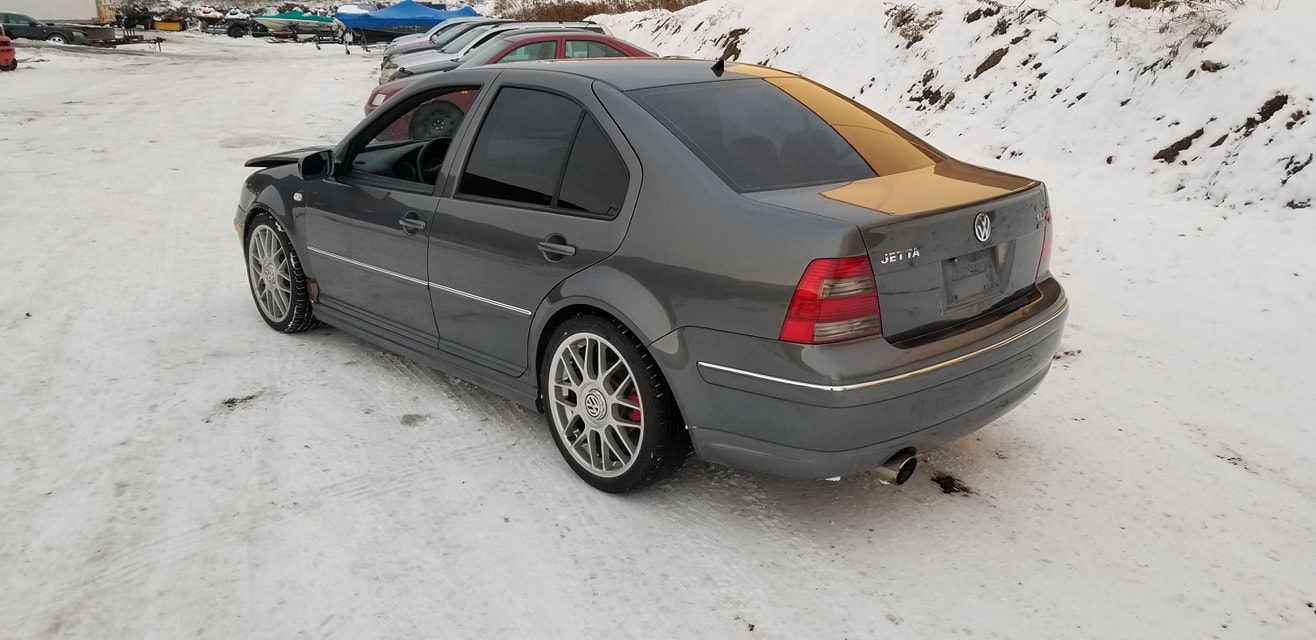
pixel 411 223
pixel 555 247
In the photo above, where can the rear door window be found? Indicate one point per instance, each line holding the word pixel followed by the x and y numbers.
pixel 592 49
pixel 596 177
pixel 532 51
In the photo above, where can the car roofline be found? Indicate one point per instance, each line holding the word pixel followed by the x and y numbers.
pixel 575 67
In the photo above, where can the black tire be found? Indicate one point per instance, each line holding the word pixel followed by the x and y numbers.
pixel 663 444
pixel 11 66
pixel 296 312
pixel 236 31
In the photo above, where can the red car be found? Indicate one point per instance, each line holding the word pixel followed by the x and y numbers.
pixel 7 60
pixel 520 46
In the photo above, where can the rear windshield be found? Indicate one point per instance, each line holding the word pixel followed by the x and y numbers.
pixel 467 37
pixel 759 135
pixel 442 33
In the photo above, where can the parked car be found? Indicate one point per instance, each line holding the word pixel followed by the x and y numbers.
pixel 18 25
pixel 439 30
pixel 467 42
pixel 442 38
pixel 516 46
pixel 665 254
pixel 8 58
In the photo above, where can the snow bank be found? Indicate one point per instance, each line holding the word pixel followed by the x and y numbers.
pixel 1117 93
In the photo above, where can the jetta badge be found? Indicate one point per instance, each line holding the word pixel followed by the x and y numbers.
pixel 982 227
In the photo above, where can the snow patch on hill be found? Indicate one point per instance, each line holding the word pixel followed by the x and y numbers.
pixel 1213 105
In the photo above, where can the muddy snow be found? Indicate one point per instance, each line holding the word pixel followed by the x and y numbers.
pixel 170 467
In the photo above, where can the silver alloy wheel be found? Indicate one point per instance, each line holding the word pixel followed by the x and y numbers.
pixel 595 405
pixel 270 272
pixel 57 39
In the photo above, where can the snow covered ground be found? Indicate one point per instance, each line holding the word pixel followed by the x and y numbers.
pixel 170 467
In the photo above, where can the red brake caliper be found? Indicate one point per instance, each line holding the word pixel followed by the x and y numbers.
pixel 634 414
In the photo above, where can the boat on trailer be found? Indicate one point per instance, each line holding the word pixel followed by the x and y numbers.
pixel 299 22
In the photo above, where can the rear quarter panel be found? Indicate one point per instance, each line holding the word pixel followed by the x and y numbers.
pixel 702 253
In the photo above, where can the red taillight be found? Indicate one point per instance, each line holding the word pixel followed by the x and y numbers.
pixel 835 300
pixel 1044 263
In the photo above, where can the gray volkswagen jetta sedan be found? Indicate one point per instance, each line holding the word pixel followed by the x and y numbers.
pixel 666 256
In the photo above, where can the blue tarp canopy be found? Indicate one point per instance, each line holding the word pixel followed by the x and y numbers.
pixel 402 14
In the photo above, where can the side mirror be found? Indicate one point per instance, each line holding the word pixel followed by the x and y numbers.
pixel 316 165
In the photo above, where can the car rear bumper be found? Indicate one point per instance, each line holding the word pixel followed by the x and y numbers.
pixel 832 410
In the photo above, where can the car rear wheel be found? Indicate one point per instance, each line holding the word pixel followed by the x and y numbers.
pixel 612 416
pixel 56 38
pixel 278 284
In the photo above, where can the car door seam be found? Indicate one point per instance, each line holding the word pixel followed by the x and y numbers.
pixel 472 296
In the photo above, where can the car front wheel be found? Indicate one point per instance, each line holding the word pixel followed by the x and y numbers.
pixel 612 416
pixel 278 284
pixel 56 38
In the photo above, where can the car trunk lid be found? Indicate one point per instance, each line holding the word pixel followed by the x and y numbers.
pixel 947 243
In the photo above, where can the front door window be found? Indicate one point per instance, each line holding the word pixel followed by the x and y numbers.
pixel 412 146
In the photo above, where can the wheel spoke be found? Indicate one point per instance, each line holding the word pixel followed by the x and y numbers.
pixel 280 302
pixel 584 356
pixel 601 355
pixel 605 448
pixel 612 437
pixel 622 400
pixel 619 437
pixel 572 369
pixel 589 448
pixel 584 433
pixel 609 374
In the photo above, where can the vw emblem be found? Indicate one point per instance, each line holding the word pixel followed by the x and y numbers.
pixel 982 227
pixel 595 406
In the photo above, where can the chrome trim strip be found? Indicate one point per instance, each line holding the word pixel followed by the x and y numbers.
pixel 423 283
pixel 895 378
pixel 363 265
pixel 472 296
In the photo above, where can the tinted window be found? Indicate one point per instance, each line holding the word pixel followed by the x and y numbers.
pixel 591 49
pixel 532 51
pixel 754 135
pixel 596 178
pixel 395 150
pixel 444 37
pixel 469 36
pixel 441 33
pixel 522 145
pixel 481 40
pixel 484 53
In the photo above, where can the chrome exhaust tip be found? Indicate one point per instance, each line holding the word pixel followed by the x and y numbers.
pixel 898 469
